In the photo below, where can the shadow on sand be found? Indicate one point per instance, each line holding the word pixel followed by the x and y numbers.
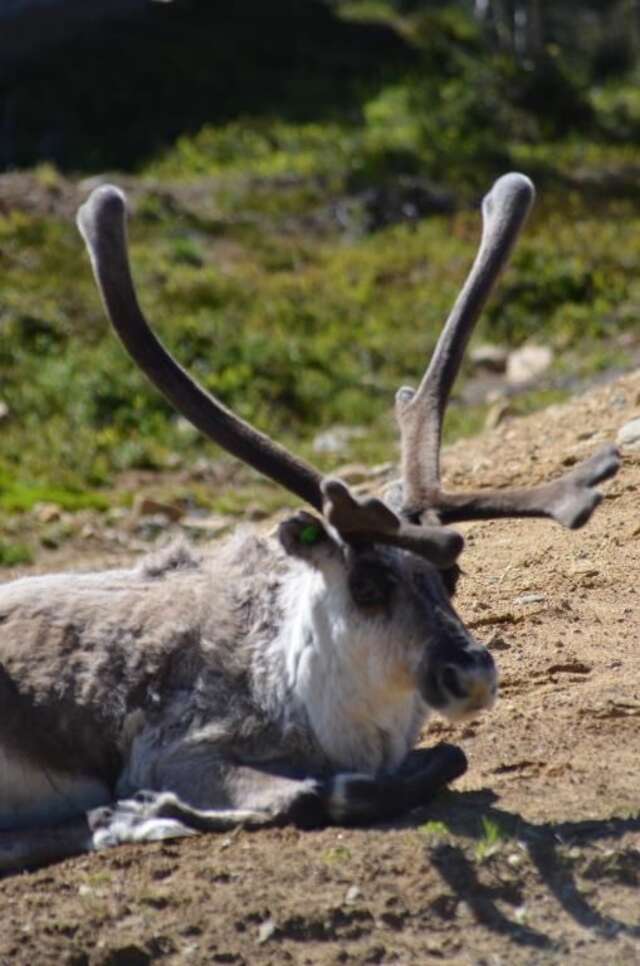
pixel 466 815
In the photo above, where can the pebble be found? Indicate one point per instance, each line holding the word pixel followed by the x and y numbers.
pixel 47 512
pixel 266 931
pixel 528 363
pixel 530 599
pixel 353 894
pixel 520 914
pixel 629 435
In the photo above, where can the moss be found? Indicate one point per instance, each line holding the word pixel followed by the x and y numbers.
pixel 14 554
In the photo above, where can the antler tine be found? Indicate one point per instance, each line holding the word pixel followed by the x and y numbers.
pixel 371 521
pixel 102 224
pixel 420 413
pixel 569 500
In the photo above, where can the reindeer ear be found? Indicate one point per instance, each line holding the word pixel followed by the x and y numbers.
pixel 304 535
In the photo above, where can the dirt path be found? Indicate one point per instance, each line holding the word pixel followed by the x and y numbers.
pixel 533 858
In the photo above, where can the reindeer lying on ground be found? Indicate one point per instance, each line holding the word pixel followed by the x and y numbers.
pixel 266 680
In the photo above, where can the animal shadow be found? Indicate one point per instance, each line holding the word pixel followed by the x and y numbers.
pixel 550 845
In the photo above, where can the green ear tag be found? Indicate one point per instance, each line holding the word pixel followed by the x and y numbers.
pixel 310 535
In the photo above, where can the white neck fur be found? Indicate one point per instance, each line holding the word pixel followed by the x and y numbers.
pixel 347 672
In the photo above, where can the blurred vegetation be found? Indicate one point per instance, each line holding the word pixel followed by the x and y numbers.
pixel 305 181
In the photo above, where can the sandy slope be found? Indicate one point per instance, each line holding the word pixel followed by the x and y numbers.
pixel 537 857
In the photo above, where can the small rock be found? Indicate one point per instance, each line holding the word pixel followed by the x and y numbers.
pixel 629 435
pixel 47 512
pixel 527 363
pixel 585 569
pixel 353 894
pixel 490 357
pixel 266 931
pixel 4 410
pixel 530 599
pixel 520 914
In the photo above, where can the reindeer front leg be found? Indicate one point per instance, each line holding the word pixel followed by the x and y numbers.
pixel 264 796
pixel 273 795
pixel 359 799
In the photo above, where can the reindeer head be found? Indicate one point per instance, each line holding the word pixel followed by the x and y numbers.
pixel 388 566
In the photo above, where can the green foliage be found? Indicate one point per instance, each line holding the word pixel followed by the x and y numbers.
pixel 492 837
pixel 14 554
pixel 16 496
pixel 257 146
pixel 295 333
pixel 618 110
pixel 250 242
pixel 337 855
pixel 435 830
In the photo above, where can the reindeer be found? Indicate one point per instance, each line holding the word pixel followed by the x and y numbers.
pixel 268 679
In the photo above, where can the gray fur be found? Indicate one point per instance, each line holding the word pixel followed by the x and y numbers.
pixel 172 678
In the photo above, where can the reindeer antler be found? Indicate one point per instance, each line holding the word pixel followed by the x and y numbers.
pixel 371 521
pixel 420 413
pixel 102 223
pixel 572 498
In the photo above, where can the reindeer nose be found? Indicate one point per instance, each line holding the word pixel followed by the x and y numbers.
pixel 470 685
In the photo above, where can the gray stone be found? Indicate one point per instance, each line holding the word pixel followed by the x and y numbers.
pixel 529 362
pixel 629 435
pixel 530 599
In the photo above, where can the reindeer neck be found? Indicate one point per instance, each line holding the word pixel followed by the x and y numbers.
pixel 359 703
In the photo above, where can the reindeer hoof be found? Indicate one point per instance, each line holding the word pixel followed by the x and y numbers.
pixel 600 467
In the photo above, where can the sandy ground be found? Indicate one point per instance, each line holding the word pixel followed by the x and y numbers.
pixel 532 857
